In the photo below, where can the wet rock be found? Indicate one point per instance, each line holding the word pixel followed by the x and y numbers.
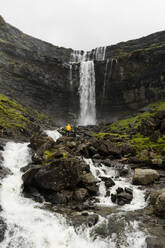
pixel 154 243
pixel 145 176
pixel 159 206
pixel 88 178
pixel 62 197
pixel 60 174
pixel 100 230
pixel 2 229
pixel 89 220
pixel 96 156
pixel 4 172
pixel 107 162
pixel 89 182
pixel 113 198
pixel 108 181
pixel 119 190
pixel 40 142
pixel 154 195
pixel 80 194
pixel 122 196
pixel 29 176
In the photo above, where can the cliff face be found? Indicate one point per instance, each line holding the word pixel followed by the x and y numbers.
pixel 34 73
pixel 131 80
pixel 37 74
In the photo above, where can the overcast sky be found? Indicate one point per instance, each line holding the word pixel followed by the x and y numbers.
pixel 85 24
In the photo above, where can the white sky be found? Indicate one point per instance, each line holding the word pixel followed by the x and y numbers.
pixel 85 24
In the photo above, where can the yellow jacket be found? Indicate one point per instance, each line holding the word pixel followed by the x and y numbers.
pixel 68 128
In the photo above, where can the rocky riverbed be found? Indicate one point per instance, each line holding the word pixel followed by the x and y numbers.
pixel 108 178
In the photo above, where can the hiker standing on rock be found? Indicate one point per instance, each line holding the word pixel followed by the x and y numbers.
pixel 68 129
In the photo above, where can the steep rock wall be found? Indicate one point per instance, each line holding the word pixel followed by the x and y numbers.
pixel 130 82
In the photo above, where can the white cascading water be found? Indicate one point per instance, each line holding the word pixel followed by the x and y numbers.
pixel 87 83
pixel 54 134
pixel 30 226
pixel 100 53
pixel 138 201
pixel 87 94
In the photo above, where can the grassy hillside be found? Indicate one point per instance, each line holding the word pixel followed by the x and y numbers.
pixel 145 132
pixel 16 121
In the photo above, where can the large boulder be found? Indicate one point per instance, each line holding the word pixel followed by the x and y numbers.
pixel 60 174
pixel 157 200
pixel 145 176
pixel 59 177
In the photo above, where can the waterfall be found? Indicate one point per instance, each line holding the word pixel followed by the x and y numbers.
pixel 87 83
pixel 87 114
pixel 87 94
pixel 105 77
pixel 100 53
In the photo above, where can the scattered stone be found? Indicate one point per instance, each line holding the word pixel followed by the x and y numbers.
pixel 159 206
pixel 89 220
pixel 154 243
pixel 145 176
pixel 80 194
pixel 158 162
pixel 122 196
pixel 108 181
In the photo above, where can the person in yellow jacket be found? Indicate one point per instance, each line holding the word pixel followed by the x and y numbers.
pixel 68 129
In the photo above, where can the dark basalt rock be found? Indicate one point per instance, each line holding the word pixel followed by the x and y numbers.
pixel 3 228
pixel 108 182
pixel 154 243
pixel 87 220
pixel 122 196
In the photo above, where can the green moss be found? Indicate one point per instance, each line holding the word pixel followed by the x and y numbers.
pixel 48 155
pixel 64 155
pixel 113 135
pixel 2 41
pixel 129 123
pixel 14 119
pixel 12 116
pixel 140 143
pixel 157 106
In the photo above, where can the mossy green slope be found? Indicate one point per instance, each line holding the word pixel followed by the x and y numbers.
pixel 15 120
pixel 130 130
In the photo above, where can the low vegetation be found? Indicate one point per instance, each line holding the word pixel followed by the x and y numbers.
pixel 141 131
pixel 17 121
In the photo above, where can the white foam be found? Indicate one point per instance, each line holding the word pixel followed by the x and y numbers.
pixel 138 201
pixel 28 225
pixel 55 135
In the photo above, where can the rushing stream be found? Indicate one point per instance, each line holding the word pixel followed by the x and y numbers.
pixel 29 226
